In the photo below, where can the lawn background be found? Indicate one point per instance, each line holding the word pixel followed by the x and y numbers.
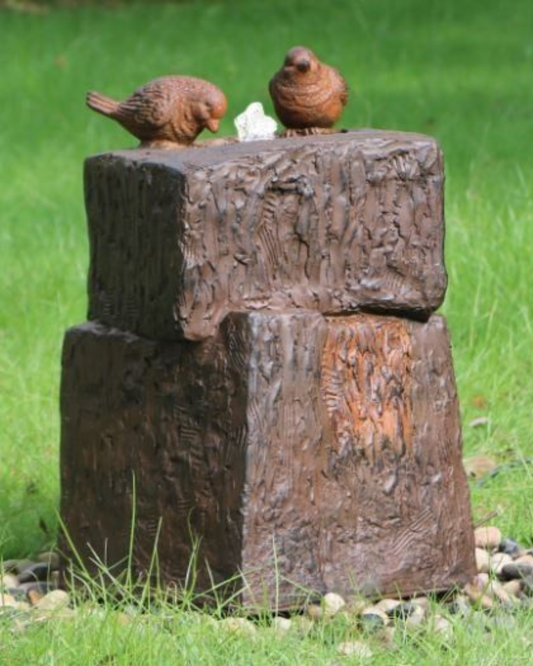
pixel 461 71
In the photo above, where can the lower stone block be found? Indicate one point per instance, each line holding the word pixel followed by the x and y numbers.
pixel 305 453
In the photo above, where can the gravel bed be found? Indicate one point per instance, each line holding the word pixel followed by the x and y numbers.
pixel 29 592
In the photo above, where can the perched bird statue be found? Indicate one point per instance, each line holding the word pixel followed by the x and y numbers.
pixel 309 96
pixel 168 112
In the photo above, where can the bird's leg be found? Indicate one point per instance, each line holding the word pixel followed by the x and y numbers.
pixel 213 143
pixel 161 144
pixel 307 131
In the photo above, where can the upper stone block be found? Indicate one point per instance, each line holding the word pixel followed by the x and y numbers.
pixel 336 224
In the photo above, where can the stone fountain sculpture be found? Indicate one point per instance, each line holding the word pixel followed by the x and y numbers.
pixel 262 369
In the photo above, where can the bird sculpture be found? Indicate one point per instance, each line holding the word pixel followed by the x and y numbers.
pixel 309 96
pixel 169 112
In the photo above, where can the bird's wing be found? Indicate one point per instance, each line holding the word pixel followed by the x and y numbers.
pixel 151 106
pixel 272 86
pixel 342 88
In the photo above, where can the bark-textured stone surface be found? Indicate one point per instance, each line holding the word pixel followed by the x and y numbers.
pixel 180 238
pixel 322 450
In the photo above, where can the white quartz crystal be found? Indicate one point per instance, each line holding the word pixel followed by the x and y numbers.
pixel 253 125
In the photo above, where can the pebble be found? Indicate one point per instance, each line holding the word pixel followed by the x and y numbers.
pixel 36 572
pixel 373 618
pixel 238 625
pixel 497 591
pixel 509 547
pixel 281 625
pixel 478 466
pixel 386 605
pixel 20 595
pixel 315 612
pixel 498 561
pixel 39 586
pixel 53 600
pixel 416 618
pixel 34 596
pixel 8 600
pixel 513 587
pixel 332 604
pixel 524 559
pixel 402 611
pixel 481 581
pixel 8 580
pixel 355 649
pixel 482 560
pixel 443 627
pixel 386 637
pixel 527 586
pixel 123 619
pixel 487 537
pixel 423 602
pixel 301 624
pixel 478 597
pixel 9 566
pixel 51 559
pixel 479 421
pixel 516 571
pixel 22 565
pixel 460 605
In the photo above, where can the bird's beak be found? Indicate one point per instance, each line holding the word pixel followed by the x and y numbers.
pixel 212 125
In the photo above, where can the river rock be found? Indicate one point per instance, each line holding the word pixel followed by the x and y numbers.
pixel 482 560
pixel 513 587
pixel 238 625
pixel 478 597
pixel 7 600
pixel 281 625
pixel 373 618
pixel 53 600
pixel 516 570
pixel 333 603
pixel 8 580
pixel 509 547
pixel 35 572
pixel 487 537
pixel 498 561
pixel 50 558
pixel 443 627
pixel 387 605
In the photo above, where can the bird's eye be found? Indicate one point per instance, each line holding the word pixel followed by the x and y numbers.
pixel 303 65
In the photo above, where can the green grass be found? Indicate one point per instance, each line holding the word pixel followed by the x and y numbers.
pixel 458 70
pixel 180 638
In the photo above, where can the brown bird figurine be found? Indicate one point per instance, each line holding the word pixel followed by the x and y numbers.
pixel 168 112
pixel 309 96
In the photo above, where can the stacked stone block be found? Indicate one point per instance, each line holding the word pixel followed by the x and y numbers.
pixel 263 371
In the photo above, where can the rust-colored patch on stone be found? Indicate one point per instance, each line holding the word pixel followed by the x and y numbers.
pixel 366 383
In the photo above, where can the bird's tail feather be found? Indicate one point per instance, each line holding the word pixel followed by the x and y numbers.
pixel 102 104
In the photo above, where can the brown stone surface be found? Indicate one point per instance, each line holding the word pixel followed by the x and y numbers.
pixel 327 450
pixel 180 238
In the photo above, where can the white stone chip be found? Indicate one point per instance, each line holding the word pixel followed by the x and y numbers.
pixel 254 125
pixel 8 580
pixel 281 625
pixel 333 603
